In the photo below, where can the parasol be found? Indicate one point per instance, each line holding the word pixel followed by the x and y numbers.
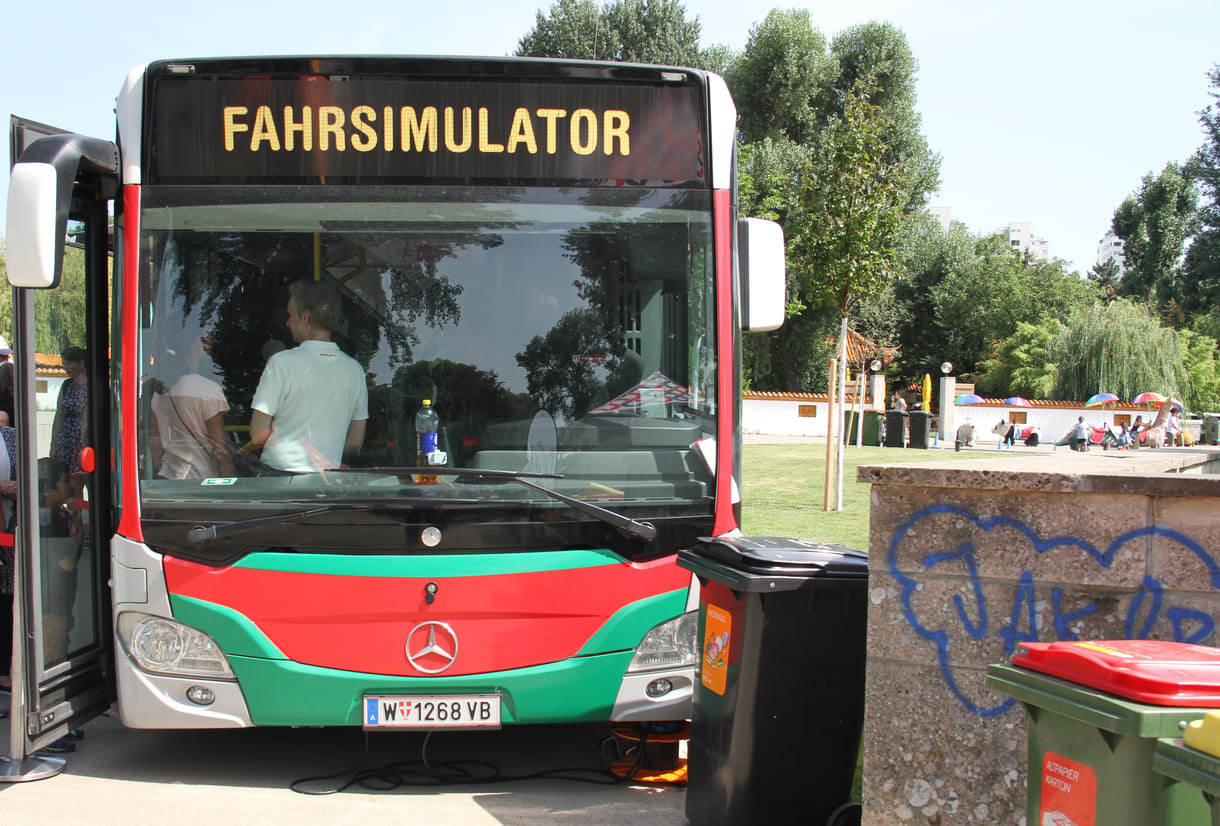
pixel 1148 398
pixel 926 392
pixel 1101 399
pixel 968 398
pixel 1018 401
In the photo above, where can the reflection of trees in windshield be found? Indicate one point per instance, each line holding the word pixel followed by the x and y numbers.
pixel 467 399
pixel 235 286
pixel 564 367
pixel 595 353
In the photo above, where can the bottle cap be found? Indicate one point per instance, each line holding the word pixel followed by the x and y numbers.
pixel 427 401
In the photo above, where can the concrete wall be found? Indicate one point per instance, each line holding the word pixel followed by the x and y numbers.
pixel 969 558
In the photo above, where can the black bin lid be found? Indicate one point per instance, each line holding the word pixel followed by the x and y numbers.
pixel 769 563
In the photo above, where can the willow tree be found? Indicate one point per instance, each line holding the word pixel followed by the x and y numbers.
pixel 1117 348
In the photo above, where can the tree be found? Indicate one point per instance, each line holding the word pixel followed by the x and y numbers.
pixel 1199 357
pixel 981 304
pixel 880 51
pixel 1202 265
pixel 1208 157
pixel 633 31
pixel 1154 225
pixel 1106 276
pixel 843 240
pixel 962 297
pixel 1021 364
pixel 790 91
pixel 1117 348
pixel 779 78
pixel 59 314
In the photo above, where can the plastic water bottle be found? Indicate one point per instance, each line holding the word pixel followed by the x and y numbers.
pixel 426 425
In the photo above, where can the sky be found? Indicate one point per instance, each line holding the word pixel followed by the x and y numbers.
pixel 1048 112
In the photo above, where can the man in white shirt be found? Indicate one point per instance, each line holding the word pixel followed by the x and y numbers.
pixel 1173 426
pixel 311 405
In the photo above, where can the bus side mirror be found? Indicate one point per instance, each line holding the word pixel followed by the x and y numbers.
pixel 40 189
pixel 760 268
pixel 32 253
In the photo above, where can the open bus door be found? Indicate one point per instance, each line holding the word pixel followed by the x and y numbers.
pixel 60 189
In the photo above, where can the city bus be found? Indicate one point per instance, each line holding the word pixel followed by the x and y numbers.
pixel 546 253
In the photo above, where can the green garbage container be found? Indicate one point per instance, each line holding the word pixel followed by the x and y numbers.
pixel 870 428
pixel 1210 434
pixel 1180 762
pixel 921 429
pixel 895 428
pixel 1091 750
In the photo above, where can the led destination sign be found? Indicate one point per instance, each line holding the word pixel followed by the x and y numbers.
pixel 346 130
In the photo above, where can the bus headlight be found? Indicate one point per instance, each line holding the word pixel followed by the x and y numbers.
pixel 163 646
pixel 671 644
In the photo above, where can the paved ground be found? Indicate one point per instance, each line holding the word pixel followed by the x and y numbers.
pixel 121 777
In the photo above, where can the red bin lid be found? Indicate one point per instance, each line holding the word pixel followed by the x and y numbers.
pixel 1147 671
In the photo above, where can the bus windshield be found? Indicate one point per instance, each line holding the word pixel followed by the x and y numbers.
pixel 564 332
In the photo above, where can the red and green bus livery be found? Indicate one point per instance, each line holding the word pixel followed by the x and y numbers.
pixel 546 252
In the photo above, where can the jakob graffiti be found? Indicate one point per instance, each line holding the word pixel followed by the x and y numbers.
pixel 934 557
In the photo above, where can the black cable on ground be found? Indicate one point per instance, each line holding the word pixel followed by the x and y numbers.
pixel 423 773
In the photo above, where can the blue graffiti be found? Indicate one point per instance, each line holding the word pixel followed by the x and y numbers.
pixel 1148 603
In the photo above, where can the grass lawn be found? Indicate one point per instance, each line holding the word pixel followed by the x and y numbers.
pixel 783 490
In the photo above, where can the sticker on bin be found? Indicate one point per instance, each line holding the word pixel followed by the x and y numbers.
pixel 713 670
pixel 1155 672
pixel 1069 792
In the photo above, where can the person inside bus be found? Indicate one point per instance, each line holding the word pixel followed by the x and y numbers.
pixel 311 405
pixel 188 435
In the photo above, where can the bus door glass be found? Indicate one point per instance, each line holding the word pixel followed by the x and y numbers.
pixel 61 342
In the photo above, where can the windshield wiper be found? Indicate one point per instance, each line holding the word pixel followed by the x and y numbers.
pixel 632 528
pixel 201 534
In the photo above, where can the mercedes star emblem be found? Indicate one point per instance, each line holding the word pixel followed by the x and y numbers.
pixel 432 647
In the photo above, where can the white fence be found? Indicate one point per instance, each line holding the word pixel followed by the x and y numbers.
pixel 775 414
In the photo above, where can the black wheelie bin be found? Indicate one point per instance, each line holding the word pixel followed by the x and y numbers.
pixel 779 703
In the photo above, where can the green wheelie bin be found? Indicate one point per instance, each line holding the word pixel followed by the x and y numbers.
pixel 1096 710
pixel 1194 759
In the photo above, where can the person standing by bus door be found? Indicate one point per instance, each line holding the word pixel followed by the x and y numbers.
pixel 8 506
pixel 7 382
pixel 70 430
pixel 311 405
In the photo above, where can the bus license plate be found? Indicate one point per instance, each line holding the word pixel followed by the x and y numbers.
pixel 432 712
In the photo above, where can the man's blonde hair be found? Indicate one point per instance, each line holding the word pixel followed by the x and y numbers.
pixel 319 300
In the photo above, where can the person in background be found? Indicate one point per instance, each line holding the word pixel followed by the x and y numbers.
pixel 899 403
pixel 8 506
pixel 1137 429
pixel 1082 434
pixel 70 430
pixel 1173 428
pixel 311 405
pixel 8 382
